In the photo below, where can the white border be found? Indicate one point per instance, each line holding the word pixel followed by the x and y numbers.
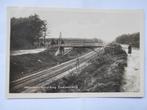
pixel 77 95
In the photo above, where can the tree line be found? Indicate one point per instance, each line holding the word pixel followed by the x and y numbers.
pixel 132 39
pixel 25 31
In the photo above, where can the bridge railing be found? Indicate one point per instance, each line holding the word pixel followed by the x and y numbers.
pixel 79 45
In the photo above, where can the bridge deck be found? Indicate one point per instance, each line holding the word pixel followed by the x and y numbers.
pixel 79 45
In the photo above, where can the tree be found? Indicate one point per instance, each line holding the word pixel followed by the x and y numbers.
pixel 133 39
pixel 25 31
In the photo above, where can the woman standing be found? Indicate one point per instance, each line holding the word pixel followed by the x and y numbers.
pixel 129 49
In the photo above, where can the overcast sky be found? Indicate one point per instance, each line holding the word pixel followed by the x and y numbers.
pixel 103 24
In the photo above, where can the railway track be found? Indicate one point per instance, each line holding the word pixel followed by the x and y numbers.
pixel 45 77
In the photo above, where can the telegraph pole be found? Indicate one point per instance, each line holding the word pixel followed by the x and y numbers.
pixel 60 37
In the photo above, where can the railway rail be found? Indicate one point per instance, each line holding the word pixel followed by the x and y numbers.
pixel 42 78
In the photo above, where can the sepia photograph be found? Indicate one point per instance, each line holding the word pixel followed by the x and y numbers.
pixel 74 53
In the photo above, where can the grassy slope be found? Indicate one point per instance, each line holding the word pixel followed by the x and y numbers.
pixel 103 75
pixel 23 65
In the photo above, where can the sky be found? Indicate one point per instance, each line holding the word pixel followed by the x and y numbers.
pixel 101 24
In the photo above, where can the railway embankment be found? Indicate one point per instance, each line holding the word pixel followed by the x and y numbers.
pixel 26 64
pixel 104 74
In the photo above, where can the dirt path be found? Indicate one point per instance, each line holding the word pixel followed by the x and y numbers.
pixel 132 72
pixel 30 51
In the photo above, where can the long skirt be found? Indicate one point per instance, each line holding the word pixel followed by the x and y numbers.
pixel 129 50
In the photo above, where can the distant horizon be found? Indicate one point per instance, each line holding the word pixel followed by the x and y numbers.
pixel 84 38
